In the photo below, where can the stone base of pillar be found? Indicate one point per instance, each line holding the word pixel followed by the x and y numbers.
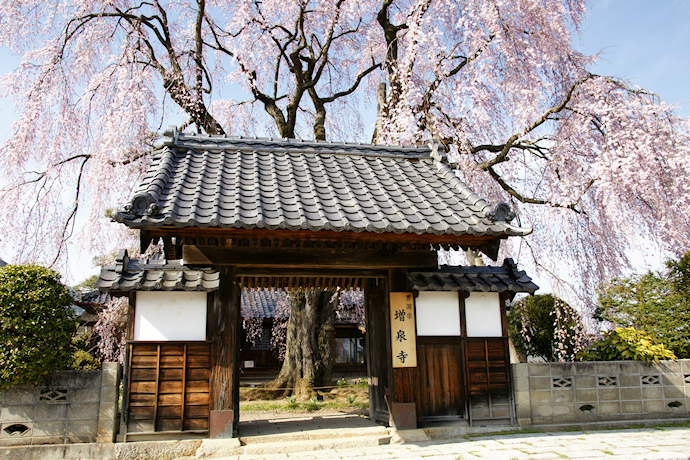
pixel 220 424
pixel 404 416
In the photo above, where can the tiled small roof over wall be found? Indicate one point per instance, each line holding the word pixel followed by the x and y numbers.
pixel 248 183
pixel 154 275
pixel 472 279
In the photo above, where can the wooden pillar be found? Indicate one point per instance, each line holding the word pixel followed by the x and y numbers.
pixel 224 322
pixel 504 298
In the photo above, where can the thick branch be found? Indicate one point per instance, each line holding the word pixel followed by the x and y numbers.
pixel 525 199
pixel 505 149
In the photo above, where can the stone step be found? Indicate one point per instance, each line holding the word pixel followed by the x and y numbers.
pixel 287 447
pixel 313 435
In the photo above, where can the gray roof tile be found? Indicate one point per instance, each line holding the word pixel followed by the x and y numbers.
pixel 261 303
pixel 234 182
pixel 154 275
pixel 93 296
pixel 471 279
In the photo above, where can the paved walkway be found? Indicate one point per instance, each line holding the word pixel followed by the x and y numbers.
pixel 643 443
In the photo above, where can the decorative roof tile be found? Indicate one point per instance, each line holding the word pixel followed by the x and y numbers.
pixel 236 182
pixel 472 279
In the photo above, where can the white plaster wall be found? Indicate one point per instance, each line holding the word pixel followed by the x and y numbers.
pixel 163 316
pixel 483 314
pixel 438 313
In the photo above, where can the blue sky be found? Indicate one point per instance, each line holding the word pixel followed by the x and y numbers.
pixel 645 42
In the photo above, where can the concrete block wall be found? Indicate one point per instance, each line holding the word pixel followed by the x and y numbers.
pixel 69 407
pixel 598 392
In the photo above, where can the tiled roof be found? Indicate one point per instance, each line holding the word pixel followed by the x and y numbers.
pixel 235 182
pixel 94 297
pixel 261 303
pixel 471 279
pixel 154 275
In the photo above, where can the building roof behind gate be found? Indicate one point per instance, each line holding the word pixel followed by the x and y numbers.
pixel 249 183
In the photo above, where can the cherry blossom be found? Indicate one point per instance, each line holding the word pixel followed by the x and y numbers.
pixel 596 166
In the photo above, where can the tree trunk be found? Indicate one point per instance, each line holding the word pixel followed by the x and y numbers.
pixel 309 343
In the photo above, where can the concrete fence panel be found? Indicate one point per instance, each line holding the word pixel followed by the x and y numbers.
pixel 69 407
pixel 582 393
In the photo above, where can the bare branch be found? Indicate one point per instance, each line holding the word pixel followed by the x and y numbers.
pixel 68 226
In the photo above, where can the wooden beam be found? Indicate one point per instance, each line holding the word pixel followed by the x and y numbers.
pixel 282 234
pixel 306 271
pixel 319 258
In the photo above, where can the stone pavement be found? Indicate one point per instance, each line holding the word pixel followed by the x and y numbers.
pixel 641 443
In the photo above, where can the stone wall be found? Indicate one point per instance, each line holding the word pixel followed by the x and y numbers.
pixel 601 392
pixel 70 407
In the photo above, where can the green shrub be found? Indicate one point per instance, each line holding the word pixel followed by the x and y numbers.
pixel 36 324
pixel 547 327
pixel 655 302
pixel 627 344
pixel 83 358
pixel 84 361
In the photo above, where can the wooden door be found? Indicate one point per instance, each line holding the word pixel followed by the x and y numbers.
pixel 488 379
pixel 379 365
pixel 439 361
pixel 168 387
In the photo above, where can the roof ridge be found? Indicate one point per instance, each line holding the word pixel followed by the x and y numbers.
pixel 175 138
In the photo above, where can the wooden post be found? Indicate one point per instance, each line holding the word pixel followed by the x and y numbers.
pixel 224 333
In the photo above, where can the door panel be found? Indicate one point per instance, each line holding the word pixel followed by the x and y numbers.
pixel 168 387
pixel 378 349
pixel 488 378
pixel 440 376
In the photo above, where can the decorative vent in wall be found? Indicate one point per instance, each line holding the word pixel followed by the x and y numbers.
pixel 17 429
pixel 53 395
pixel 607 381
pixel 650 379
pixel 562 382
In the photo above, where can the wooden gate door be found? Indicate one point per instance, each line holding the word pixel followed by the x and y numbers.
pixel 439 360
pixel 379 365
pixel 488 378
pixel 168 388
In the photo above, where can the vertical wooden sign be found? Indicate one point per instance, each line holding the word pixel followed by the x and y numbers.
pixel 403 336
